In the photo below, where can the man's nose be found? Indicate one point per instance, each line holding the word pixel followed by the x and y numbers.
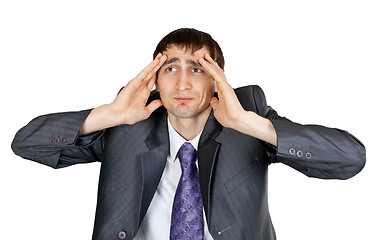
pixel 183 82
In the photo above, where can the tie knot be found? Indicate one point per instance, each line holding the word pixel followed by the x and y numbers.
pixel 187 153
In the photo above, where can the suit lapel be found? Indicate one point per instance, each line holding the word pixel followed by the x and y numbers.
pixel 153 162
pixel 207 152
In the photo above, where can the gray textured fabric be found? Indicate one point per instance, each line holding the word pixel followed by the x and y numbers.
pixel 232 166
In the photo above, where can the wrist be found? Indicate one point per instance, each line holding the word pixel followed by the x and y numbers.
pixel 252 124
pixel 99 118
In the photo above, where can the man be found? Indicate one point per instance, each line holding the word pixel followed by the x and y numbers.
pixel 230 135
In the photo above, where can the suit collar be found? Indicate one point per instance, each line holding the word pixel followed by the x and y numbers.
pixel 176 141
pixel 159 132
pixel 153 161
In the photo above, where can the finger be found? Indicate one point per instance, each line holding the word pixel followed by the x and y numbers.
pixel 157 67
pixel 151 82
pixel 207 65
pixel 150 67
pixel 214 70
pixel 153 106
pixel 211 60
pixel 207 60
pixel 152 79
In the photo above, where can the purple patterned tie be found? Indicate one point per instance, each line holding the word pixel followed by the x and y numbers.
pixel 187 217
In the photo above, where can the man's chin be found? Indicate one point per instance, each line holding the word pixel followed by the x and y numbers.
pixel 185 112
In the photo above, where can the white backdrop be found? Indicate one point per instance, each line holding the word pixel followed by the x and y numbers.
pixel 317 62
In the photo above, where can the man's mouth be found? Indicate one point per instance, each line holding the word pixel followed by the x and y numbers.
pixel 183 99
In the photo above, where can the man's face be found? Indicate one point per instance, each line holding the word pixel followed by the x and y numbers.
pixel 185 88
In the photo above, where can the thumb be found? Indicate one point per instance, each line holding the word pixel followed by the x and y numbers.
pixel 153 106
pixel 214 103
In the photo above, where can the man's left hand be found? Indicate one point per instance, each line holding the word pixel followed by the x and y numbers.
pixel 227 108
pixel 229 112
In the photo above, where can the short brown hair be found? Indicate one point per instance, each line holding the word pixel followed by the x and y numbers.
pixel 189 38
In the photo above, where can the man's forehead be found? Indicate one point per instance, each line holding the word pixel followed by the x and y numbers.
pixel 183 51
pixel 181 55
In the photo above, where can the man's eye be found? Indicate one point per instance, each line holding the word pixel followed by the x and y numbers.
pixel 197 70
pixel 171 69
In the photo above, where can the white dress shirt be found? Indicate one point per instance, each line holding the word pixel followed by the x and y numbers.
pixel 157 222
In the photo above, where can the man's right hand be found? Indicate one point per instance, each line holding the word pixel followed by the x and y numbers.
pixel 129 106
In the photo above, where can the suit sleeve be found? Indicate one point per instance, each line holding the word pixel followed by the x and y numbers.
pixel 314 150
pixel 54 140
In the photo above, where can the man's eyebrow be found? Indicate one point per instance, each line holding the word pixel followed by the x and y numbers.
pixel 172 60
pixel 194 63
pixel 189 61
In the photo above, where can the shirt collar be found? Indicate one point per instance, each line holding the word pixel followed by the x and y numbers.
pixel 176 141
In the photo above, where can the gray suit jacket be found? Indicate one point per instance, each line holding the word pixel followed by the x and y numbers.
pixel 232 166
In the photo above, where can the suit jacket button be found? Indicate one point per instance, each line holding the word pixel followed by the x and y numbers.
pixel 299 153
pixel 292 151
pixel 122 235
pixel 308 155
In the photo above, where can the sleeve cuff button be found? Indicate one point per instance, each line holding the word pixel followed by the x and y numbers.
pixel 292 151
pixel 122 235
pixel 299 153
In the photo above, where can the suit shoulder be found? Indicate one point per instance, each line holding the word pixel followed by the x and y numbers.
pixel 252 98
pixel 250 90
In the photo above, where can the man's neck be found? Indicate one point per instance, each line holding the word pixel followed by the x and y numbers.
pixel 189 128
